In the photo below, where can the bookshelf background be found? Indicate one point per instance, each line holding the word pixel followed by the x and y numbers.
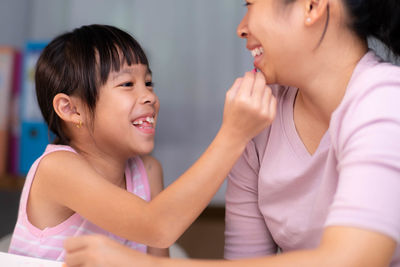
pixel 9 182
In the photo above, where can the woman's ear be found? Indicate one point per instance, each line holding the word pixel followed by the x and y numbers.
pixel 315 10
pixel 68 109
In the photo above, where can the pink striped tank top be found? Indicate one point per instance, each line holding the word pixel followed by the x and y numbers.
pixel 29 240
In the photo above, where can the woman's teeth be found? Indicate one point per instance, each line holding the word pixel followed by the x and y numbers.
pixel 140 122
pixel 257 51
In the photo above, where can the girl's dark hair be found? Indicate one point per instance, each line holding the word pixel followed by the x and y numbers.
pixel 78 63
pixel 377 18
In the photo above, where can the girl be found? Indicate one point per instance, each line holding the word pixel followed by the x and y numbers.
pixel 337 128
pixel 95 91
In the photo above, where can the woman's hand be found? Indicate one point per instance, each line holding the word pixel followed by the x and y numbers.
pixel 249 107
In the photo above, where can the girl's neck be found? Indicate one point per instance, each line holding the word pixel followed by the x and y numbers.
pixel 110 167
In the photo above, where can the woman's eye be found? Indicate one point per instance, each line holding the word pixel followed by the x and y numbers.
pixel 149 84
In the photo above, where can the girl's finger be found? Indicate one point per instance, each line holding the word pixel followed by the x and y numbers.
pixel 75 259
pixel 259 86
pixel 267 100
pixel 75 243
pixel 235 87
pixel 246 88
pixel 272 107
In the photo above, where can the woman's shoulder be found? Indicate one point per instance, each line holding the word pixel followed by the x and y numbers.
pixel 373 71
pixel 374 82
pixel 370 101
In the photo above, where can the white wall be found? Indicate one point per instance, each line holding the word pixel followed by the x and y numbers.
pixel 14 17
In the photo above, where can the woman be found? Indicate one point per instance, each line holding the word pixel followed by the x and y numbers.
pixel 323 182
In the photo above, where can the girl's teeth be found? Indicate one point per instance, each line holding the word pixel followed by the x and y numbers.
pixel 140 122
pixel 150 120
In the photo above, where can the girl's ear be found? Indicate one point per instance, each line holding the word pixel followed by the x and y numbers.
pixel 68 109
pixel 315 10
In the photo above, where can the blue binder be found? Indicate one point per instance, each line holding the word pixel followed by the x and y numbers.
pixel 34 131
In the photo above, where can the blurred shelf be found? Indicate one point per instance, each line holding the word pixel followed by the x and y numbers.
pixel 204 239
pixel 10 182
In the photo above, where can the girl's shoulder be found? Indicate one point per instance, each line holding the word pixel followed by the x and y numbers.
pixel 58 156
pixel 47 184
pixel 154 173
pixel 150 163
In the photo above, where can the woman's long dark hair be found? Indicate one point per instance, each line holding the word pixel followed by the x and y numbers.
pixel 377 18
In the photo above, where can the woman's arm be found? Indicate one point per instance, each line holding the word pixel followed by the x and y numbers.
pixel 246 233
pixel 249 108
pixel 340 246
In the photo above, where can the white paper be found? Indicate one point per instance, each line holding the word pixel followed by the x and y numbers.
pixel 11 260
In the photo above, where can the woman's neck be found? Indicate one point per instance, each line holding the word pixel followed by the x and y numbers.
pixel 322 89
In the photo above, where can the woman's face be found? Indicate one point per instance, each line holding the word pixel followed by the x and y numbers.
pixel 275 36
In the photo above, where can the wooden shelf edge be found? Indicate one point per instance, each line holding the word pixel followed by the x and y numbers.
pixel 10 182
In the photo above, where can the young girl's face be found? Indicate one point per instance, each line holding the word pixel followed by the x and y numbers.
pixel 126 112
pixel 274 30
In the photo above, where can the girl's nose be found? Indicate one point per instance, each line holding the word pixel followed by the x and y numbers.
pixel 149 97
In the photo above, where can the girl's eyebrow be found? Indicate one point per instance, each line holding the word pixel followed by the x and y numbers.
pixel 115 75
pixel 121 72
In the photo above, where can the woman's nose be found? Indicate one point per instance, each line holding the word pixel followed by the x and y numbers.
pixel 241 30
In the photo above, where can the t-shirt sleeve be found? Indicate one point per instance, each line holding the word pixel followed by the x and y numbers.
pixel 246 234
pixel 368 154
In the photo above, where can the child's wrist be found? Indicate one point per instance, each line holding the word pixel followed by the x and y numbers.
pixel 231 141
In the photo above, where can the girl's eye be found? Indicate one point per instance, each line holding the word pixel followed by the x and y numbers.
pixel 127 84
pixel 246 4
pixel 149 84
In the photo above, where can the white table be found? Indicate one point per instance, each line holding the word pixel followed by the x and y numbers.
pixel 11 260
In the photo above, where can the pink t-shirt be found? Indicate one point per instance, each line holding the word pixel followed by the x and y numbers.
pixel 29 240
pixel 280 196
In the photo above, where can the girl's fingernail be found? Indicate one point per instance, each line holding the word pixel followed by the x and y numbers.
pixel 254 70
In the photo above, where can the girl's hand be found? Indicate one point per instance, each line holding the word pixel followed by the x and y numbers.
pixel 100 251
pixel 249 107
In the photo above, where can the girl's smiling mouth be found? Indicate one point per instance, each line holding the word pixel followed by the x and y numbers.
pixel 145 124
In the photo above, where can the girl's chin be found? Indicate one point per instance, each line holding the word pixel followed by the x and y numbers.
pixel 146 150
